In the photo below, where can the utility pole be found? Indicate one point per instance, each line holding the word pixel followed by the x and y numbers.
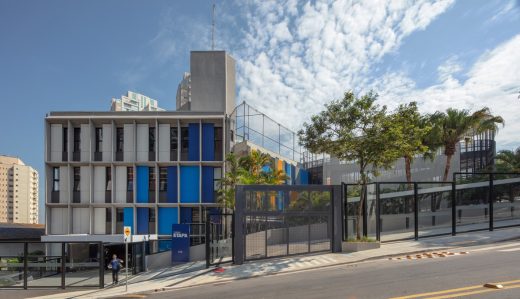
pixel 213 29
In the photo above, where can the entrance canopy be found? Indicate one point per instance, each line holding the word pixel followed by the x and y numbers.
pixel 97 238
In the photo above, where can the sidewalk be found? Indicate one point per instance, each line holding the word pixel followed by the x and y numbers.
pixel 173 279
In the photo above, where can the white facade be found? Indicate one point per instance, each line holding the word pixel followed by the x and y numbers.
pixel 18 191
pixel 133 101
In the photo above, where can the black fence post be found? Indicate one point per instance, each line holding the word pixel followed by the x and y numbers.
pixel 25 256
pixel 365 210
pixel 416 210
pixel 491 199
pixel 63 266
pixel 233 237
pixel 344 212
pixel 208 217
pixel 453 206
pixel 238 229
pixel 101 265
pixel 378 213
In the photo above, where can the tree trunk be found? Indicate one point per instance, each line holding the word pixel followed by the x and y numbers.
pixel 407 163
pixel 447 168
pixel 359 221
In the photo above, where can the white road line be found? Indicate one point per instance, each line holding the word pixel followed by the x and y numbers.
pixel 510 249
pixel 494 247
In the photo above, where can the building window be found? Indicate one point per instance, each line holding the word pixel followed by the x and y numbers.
pixel 151 139
pixel 163 179
pixel 77 178
pixel 108 179
pixel 119 139
pixel 218 144
pixel 77 139
pixel 174 136
pixel 185 136
pixel 129 179
pixel 151 178
pixel 65 139
pixel 55 179
pixel 99 139
pixel 217 176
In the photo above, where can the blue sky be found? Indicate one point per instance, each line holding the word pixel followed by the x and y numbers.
pixel 293 55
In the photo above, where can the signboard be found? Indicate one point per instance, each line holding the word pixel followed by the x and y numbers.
pixel 127 231
pixel 180 243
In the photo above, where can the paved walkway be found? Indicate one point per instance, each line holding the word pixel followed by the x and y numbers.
pixel 194 274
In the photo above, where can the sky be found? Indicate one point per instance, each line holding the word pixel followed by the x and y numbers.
pixel 292 57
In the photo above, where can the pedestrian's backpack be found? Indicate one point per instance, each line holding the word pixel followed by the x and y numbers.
pixel 115 264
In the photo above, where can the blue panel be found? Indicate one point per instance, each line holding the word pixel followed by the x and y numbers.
pixel 193 142
pixel 165 245
pixel 180 243
pixel 142 184
pixel 166 218
pixel 288 173
pixel 142 221
pixel 208 140
pixel 128 218
pixel 171 193
pixel 304 177
pixel 208 175
pixel 293 174
pixel 190 184
pixel 185 215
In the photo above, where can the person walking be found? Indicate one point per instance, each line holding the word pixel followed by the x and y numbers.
pixel 115 265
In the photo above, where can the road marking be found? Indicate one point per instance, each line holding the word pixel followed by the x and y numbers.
pixel 496 247
pixel 449 293
pixel 475 292
pixel 510 249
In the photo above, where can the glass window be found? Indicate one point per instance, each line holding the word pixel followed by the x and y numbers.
pixel 65 139
pixel 55 179
pixel 151 179
pixel 163 179
pixel 218 144
pixel 108 179
pixel 99 139
pixel 77 178
pixel 119 139
pixel 173 139
pixel 77 139
pixel 185 136
pixel 151 139
pixel 129 179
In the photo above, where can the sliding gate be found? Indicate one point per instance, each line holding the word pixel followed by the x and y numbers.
pixel 273 221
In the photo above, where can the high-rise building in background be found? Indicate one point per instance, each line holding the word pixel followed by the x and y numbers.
pixel 133 101
pixel 18 191
pixel 184 93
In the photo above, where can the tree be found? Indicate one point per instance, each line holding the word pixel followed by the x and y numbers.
pixel 411 131
pixel 252 169
pixel 353 129
pixel 454 125
pixel 508 160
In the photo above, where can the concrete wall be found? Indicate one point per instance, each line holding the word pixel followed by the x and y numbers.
pixel 56 142
pixel 212 81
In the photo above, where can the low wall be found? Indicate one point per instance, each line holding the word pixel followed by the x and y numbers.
pixel 164 259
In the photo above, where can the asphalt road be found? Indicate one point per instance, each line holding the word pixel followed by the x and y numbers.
pixel 384 279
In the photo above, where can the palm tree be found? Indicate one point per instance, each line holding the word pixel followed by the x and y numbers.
pixel 508 160
pixel 453 126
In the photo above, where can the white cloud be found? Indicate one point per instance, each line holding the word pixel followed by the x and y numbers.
pixel 297 57
pixel 493 81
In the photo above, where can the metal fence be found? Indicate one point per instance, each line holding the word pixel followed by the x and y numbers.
pixel 401 210
pixel 51 264
pixel 273 221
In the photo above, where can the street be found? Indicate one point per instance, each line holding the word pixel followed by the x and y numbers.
pixel 442 277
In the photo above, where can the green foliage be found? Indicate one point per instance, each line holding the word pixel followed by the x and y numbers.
pixel 247 170
pixel 410 131
pixel 362 239
pixel 354 129
pixel 452 126
pixel 508 161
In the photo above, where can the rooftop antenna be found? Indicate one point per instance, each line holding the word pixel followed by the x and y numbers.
pixel 213 29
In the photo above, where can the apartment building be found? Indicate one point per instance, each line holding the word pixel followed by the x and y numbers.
pixel 18 191
pixel 134 101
